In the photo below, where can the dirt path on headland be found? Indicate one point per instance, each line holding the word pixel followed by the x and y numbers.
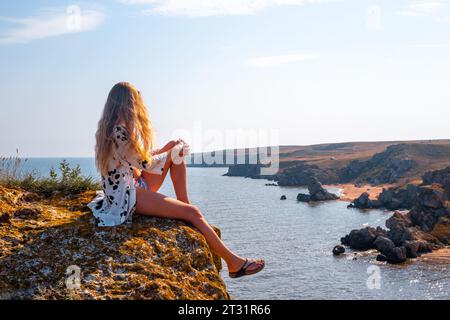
pixel 350 192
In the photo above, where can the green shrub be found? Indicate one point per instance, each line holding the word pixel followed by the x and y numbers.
pixel 68 181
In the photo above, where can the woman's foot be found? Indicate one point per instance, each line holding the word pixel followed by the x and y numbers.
pixel 248 267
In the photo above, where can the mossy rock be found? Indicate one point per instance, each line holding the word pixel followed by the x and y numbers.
pixel 43 251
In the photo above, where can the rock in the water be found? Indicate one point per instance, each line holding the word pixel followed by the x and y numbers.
pixel 316 192
pixel 303 197
pixel 381 257
pixel 271 185
pixel 363 202
pixel 383 244
pixel 412 249
pixel 244 170
pixel 324 195
pixel 396 255
pixel 283 198
pixel 362 239
pixel 337 250
pixel 399 225
pixel 392 253
pixel 425 227
pixel 314 186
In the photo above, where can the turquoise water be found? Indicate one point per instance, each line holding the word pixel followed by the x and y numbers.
pixel 296 240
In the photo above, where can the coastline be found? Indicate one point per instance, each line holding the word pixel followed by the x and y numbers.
pixel 349 192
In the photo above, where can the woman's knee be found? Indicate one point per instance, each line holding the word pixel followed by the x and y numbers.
pixel 193 214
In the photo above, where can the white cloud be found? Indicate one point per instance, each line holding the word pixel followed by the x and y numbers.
pixel 422 8
pixel 51 23
pixel 202 8
pixel 272 61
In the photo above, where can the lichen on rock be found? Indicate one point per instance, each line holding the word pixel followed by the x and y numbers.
pixel 46 242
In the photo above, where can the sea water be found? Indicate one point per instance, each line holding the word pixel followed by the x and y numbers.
pixel 296 240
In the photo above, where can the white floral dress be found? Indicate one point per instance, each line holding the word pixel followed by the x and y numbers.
pixel 116 203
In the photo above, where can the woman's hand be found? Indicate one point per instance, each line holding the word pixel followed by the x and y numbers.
pixel 179 143
pixel 170 145
pixel 182 146
pixel 185 149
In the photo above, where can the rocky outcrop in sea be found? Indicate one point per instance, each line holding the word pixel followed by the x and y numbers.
pixel 244 170
pixel 316 192
pixel 50 248
pixel 424 228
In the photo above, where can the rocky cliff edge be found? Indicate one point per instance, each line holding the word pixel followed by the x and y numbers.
pixel 51 249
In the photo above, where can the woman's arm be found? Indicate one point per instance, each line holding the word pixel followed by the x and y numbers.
pixel 170 145
pixel 126 152
pixel 158 152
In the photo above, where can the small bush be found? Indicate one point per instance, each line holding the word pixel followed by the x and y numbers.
pixel 68 181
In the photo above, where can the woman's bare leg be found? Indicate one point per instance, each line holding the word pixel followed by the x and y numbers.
pixel 151 203
pixel 154 181
pixel 155 204
pixel 179 180
pixel 178 176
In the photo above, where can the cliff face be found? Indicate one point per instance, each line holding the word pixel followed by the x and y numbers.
pixel 244 170
pixel 375 163
pixel 51 249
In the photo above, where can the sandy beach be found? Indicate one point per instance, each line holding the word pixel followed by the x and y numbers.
pixel 350 192
pixel 440 255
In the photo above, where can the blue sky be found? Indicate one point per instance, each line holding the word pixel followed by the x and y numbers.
pixel 312 71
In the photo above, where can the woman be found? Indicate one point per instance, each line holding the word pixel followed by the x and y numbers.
pixel 124 146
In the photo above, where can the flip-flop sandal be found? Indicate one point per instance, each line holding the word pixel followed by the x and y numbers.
pixel 244 269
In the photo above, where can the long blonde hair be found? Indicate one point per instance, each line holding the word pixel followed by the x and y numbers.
pixel 124 106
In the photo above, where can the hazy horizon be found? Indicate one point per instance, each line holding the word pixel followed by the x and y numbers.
pixel 207 151
pixel 313 72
